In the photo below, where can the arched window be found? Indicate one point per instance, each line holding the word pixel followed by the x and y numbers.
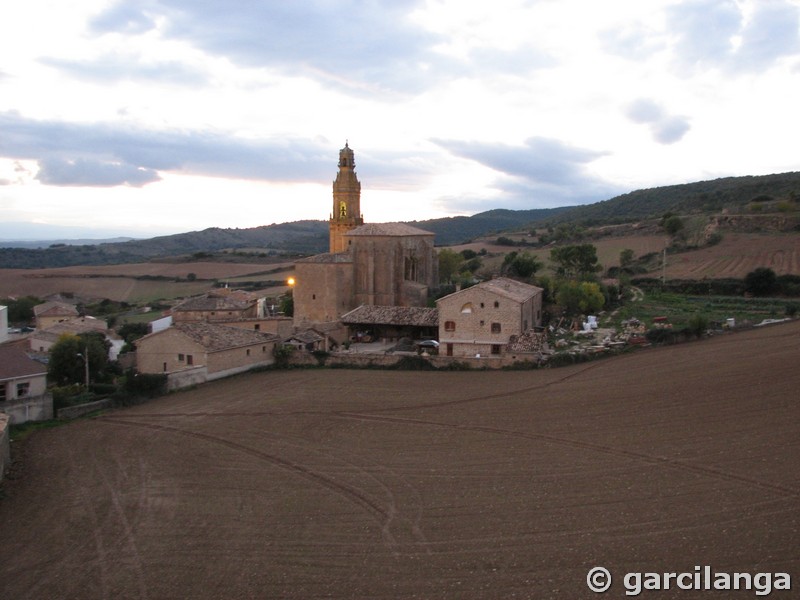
pixel 467 308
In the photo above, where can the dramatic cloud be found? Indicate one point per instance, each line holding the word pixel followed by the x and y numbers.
pixel 87 172
pixel 100 154
pixel 348 43
pixel 544 170
pixel 666 129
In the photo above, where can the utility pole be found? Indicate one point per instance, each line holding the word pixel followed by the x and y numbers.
pixel 86 365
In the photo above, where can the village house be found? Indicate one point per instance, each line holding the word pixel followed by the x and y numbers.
pixel 483 319
pixel 235 308
pixel 23 386
pixel 51 313
pixel 42 340
pixel 192 353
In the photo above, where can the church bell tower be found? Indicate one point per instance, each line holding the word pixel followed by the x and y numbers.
pixel 346 213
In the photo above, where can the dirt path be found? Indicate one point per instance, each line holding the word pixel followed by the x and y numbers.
pixel 373 484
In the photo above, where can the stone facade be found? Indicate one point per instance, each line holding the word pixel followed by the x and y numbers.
pixel 51 313
pixel 219 305
pixel 481 320
pixel 23 387
pixel 218 348
pixel 389 264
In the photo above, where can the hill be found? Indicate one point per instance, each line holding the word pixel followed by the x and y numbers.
pixel 734 194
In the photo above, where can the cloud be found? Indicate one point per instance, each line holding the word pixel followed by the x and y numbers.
pixel 115 67
pixel 347 43
pixel 96 173
pixel 666 128
pixel 100 153
pixel 714 33
pixel 542 172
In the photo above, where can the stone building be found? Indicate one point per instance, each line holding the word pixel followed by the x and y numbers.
pixel 204 351
pixel 483 319
pixel 51 313
pixel 375 264
pixel 23 386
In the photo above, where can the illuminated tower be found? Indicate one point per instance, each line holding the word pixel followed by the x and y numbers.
pixel 346 213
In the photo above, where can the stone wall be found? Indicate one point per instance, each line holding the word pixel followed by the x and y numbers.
pixel 31 408
pixel 366 360
pixel 73 412
pixel 5 444
pixel 186 378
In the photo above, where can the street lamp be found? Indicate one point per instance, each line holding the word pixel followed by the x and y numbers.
pixel 85 358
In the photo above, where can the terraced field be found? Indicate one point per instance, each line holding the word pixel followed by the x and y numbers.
pixel 377 484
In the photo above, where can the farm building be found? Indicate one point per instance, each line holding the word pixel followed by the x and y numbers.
pixel 203 351
pixel 481 320
pixel 42 340
pixel 391 322
pixel 51 313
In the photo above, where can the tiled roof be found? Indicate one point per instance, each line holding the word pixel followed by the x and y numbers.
pixel 327 257
pixel 307 337
pixel 15 363
pixel 508 288
pixel 217 301
pixel 220 337
pixel 392 315
pixel 391 229
pixel 55 309
pixel 73 326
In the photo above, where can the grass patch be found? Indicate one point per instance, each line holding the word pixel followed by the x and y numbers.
pixel 19 433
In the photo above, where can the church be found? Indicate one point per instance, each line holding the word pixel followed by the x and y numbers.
pixel 368 264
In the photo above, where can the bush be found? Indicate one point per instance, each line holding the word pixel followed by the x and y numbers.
pixel 282 356
pixel 145 384
pixel 413 363
pixel 698 324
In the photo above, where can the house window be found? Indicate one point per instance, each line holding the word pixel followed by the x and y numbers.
pixel 181 357
pixel 257 327
pixel 467 308
pixel 189 360
pixel 2 392
pixel 496 304
pixel 263 348
pixel 496 328
pixel 482 323
pixel 23 389
pixel 481 304
pixel 495 348
pixel 313 296
pixel 449 325
pixel 248 352
pixel 165 367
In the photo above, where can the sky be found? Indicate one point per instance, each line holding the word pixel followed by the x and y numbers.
pixel 149 117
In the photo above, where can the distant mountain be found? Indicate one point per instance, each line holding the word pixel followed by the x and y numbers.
pixel 311 237
pixel 66 242
pixel 44 234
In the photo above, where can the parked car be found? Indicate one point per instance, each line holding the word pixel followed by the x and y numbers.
pixel 429 346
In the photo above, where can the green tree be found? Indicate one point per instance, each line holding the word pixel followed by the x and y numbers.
pixel 287 304
pixel 449 265
pixel 576 261
pixel 626 257
pixel 20 310
pixel 673 224
pixel 761 282
pixel 523 265
pixel 66 364
pixel 579 297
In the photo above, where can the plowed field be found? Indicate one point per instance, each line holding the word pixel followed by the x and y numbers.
pixel 376 484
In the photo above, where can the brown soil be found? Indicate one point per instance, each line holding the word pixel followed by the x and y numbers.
pixel 376 484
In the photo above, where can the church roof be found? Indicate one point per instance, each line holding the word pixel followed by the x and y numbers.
pixel 392 315
pixel 386 229
pixel 328 257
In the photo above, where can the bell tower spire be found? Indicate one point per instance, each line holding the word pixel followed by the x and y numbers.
pixel 346 214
